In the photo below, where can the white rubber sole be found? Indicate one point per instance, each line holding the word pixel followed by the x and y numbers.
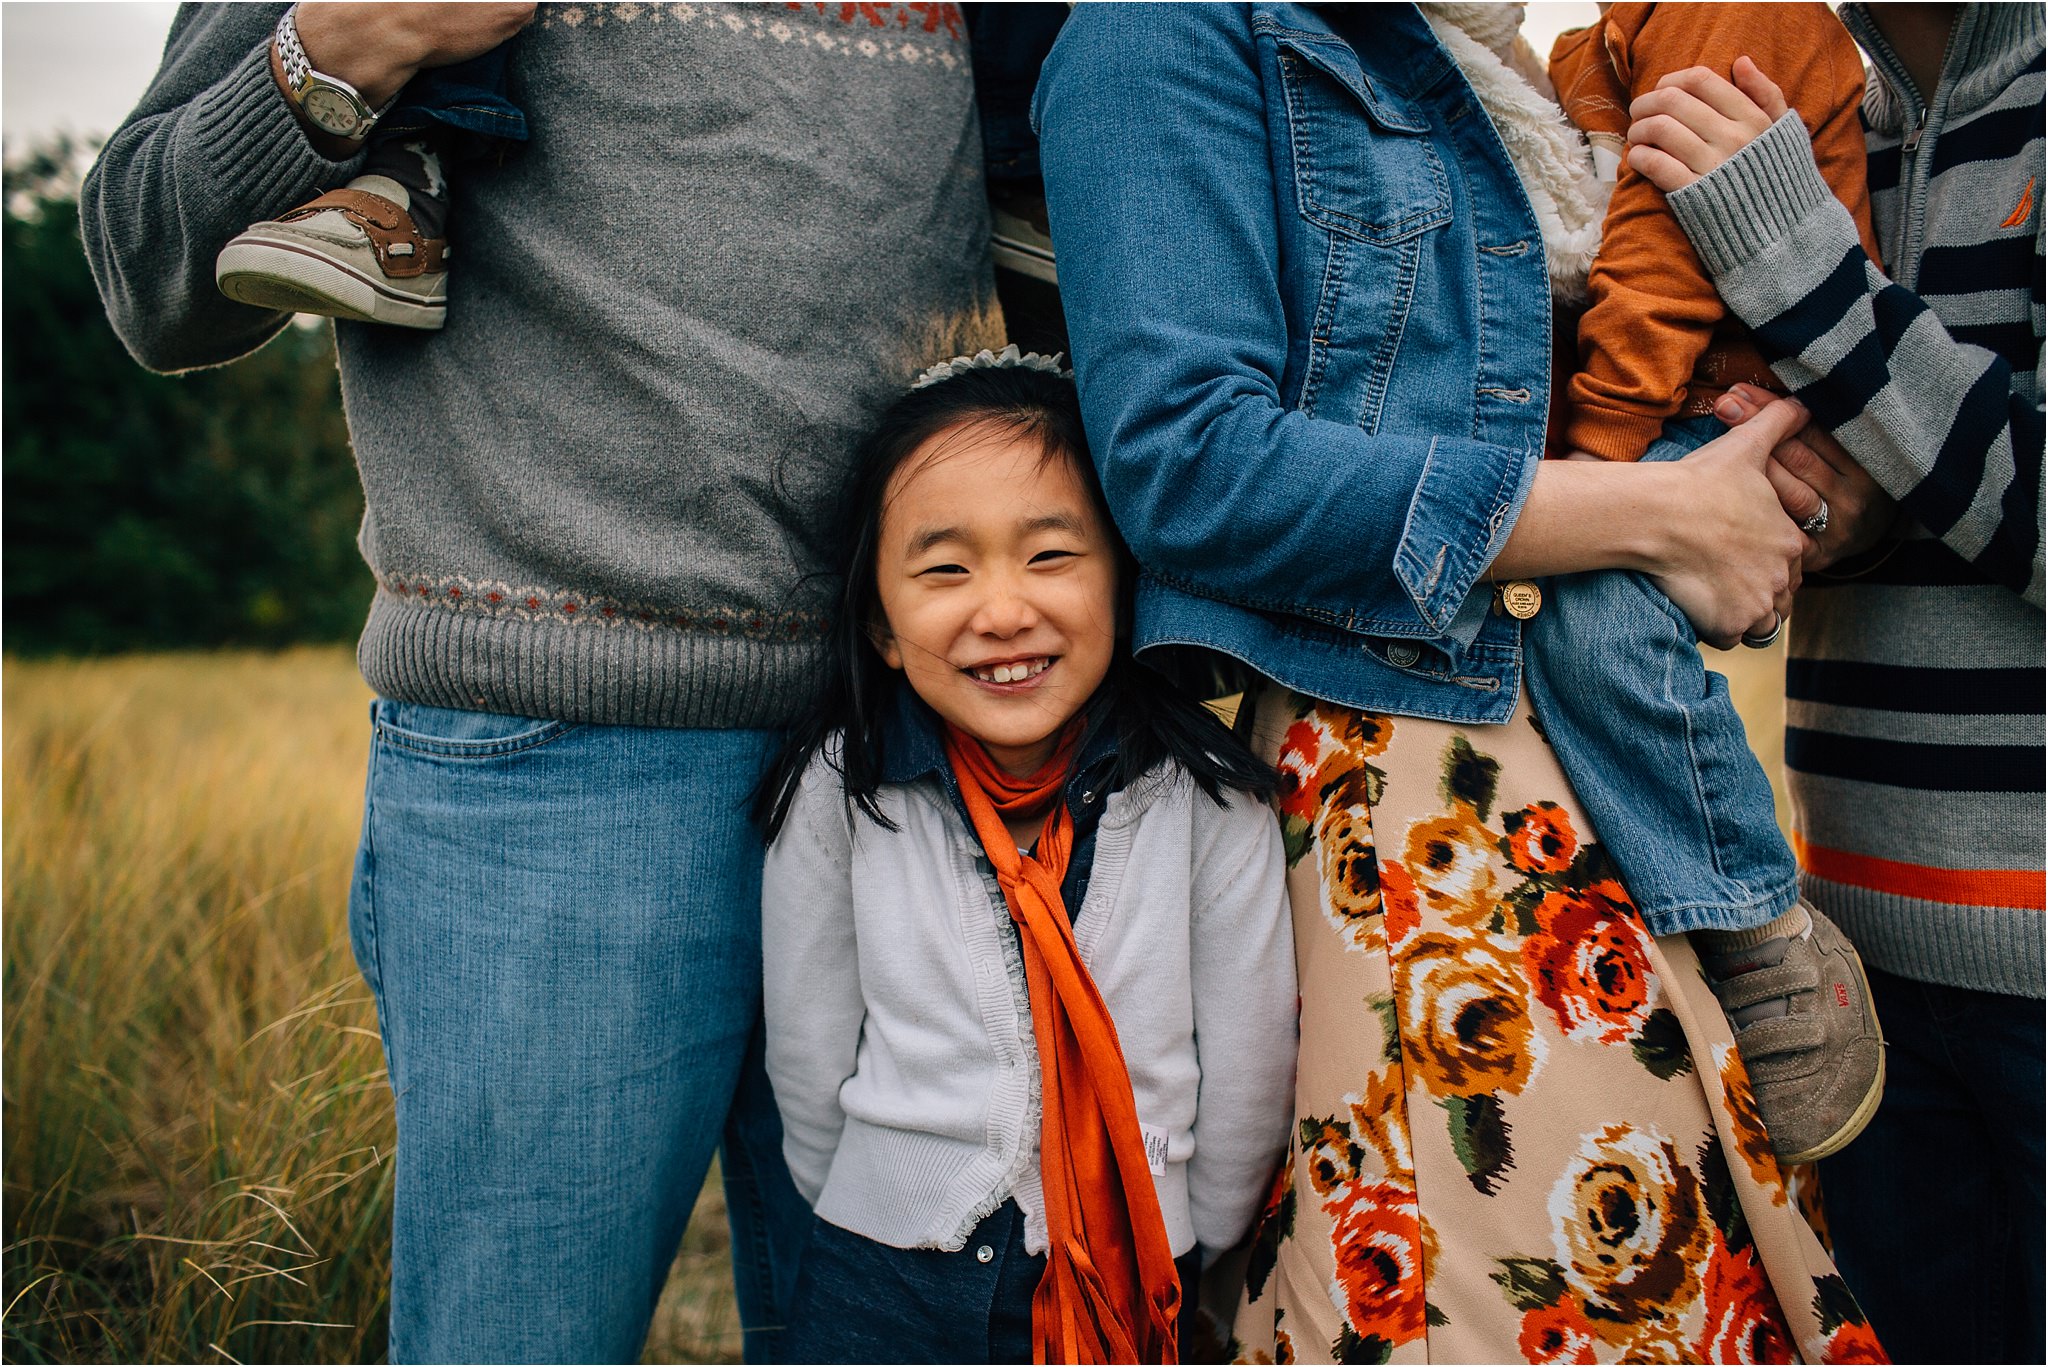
pixel 282 275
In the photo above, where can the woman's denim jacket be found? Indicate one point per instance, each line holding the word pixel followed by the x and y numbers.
pixel 1311 324
pixel 1311 320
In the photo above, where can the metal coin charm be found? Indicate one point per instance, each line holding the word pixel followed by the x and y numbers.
pixel 1519 598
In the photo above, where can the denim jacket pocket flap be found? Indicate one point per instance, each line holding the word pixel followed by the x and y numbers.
pixel 1368 177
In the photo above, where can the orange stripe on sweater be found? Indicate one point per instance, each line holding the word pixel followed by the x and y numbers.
pixel 2019 216
pixel 1959 887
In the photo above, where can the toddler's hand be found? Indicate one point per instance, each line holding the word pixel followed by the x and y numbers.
pixel 1733 561
pixel 1695 120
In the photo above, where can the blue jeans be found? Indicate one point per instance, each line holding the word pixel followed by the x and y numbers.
pixel 561 927
pixel 471 97
pixel 1936 1208
pixel 862 1301
pixel 1653 745
pixel 1007 44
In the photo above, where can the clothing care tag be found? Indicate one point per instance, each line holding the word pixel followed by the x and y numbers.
pixel 1608 151
pixel 1155 1148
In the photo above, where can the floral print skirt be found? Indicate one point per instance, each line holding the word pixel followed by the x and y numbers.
pixel 1522 1130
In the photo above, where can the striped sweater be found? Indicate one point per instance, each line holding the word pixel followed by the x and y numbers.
pixel 1915 687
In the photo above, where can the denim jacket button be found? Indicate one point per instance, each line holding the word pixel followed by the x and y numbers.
pixel 1400 655
pixel 984 1254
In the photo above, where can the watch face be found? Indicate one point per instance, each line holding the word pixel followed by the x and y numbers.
pixel 333 111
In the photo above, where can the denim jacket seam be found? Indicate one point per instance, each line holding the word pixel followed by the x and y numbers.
pixel 1350 620
pixel 1301 162
pixel 1418 701
pixel 1329 295
pixel 1374 401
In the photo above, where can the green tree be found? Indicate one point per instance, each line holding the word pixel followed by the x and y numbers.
pixel 149 511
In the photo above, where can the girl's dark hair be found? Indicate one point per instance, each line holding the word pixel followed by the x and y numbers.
pixel 1154 720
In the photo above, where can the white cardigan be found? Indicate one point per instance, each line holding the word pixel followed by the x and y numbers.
pixel 899 1031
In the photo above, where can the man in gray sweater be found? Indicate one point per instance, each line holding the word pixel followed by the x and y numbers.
pixel 595 505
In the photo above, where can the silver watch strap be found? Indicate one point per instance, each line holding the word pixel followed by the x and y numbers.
pixel 298 68
pixel 291 53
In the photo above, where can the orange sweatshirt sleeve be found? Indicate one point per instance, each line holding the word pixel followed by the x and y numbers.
pixel 1652 308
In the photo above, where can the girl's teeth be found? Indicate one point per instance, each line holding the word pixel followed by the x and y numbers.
pixel 1014 673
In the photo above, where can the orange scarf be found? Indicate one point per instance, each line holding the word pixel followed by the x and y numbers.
pixel 1110 1292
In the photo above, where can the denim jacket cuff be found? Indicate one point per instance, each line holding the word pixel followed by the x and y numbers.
pixel 1464 507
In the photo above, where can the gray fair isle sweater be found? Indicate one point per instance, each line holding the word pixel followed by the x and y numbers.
pixel 1915 686
pixel 599 494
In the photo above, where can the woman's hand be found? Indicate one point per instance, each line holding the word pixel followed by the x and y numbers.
pixel 1695 120
pixel 1708 529
pixel 1731 559
pixel 1810 470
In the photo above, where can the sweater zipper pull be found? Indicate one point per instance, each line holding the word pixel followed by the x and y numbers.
pixel 1913 138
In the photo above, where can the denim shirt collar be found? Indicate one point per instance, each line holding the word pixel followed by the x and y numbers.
pixel 914 748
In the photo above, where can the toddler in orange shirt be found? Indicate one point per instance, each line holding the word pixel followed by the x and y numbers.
pixel 1614 668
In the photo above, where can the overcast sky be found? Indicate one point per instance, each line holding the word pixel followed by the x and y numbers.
pixel 82 66
pixel 75 66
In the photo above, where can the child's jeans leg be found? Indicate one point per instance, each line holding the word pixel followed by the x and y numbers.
pixel 861 1301
pixel 472 97
pixel 1654 747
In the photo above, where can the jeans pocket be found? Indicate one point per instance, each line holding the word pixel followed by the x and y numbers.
pixel 455 733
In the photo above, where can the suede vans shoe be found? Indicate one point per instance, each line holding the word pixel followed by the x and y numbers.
pixel 1806 1031
pixel 351 253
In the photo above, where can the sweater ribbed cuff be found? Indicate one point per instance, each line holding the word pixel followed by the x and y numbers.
pixel 1754 199
pixel 251 138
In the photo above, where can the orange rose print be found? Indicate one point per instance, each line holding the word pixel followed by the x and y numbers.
pixel 1362 734
pixel 1330 1155
pixel 1556 1333
pixel 1743 1320
pixel 1464 1020
pixel 1351 875
pixel 1540 838
pixel 1296 791
pixel 1630 1231
pixel 1854 1343
pixel 1380 1121
pixel 1452 859
pixel 1590 963
pixel 1752 1140
pixel 1383 1254
pixel 1397 899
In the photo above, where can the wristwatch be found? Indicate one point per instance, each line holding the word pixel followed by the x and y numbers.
pixel 329 103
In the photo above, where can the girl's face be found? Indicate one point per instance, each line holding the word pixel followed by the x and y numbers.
pixel 997 581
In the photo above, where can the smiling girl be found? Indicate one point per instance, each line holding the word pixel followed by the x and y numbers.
pixel 1029 976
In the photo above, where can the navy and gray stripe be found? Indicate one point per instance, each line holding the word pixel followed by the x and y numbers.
pixel 1915 689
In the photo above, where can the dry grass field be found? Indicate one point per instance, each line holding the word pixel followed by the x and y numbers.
pixel 197 1129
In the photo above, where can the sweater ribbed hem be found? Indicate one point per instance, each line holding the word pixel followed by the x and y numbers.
pixel 1986 949
pixel 251 138
pixel 610 674
pixel 1755 199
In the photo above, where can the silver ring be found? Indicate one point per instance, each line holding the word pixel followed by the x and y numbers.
pixel 1818 523
pixel 1759 642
